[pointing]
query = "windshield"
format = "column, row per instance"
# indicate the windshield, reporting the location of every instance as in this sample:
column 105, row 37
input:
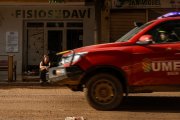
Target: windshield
column 132, row 32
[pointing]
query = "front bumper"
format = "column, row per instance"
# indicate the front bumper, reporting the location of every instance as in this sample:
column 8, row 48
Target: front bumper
column 66, row 75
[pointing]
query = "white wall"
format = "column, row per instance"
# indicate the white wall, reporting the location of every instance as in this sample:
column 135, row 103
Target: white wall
column 10, row 24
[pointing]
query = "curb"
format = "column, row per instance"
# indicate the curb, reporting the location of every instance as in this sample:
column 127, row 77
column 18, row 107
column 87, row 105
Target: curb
column 20, row 83
column 24, row 84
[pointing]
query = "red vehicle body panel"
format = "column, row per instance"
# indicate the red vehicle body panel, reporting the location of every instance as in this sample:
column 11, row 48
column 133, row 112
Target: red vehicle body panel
column 146, row 59
column 152, row 64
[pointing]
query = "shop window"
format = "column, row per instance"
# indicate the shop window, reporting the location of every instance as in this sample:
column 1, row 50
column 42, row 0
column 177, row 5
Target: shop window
column 55, row 24
column 75, row 24
column 37, row 24
column 56, row 1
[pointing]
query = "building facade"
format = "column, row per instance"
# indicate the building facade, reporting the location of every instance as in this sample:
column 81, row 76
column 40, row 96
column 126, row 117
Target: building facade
column 124, row 13
column 29, row 30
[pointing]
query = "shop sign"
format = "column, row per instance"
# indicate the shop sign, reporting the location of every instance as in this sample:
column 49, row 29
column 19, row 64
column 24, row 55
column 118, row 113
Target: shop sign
column 53, row 13
column 145, row 4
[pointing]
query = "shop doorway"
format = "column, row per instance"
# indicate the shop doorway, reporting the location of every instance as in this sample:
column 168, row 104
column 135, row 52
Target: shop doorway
column 74, row 39
column 34, row 46
column 55, row 41
column 55, row 38
column 49, row 37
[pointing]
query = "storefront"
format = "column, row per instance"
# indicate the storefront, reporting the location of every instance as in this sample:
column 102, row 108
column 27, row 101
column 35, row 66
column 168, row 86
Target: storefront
column 29, row 31
column 124, row 13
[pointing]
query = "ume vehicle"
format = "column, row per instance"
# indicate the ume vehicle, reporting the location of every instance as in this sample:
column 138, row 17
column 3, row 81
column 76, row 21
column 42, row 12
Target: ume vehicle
column 146, row 59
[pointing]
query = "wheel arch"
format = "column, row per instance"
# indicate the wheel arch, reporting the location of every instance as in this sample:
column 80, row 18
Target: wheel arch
column 119, row 73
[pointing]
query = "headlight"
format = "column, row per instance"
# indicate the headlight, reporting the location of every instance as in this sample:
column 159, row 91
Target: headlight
column 58, row 72
column 72, row 58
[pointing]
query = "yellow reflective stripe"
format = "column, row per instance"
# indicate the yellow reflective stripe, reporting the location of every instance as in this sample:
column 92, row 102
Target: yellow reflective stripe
column 63, row 52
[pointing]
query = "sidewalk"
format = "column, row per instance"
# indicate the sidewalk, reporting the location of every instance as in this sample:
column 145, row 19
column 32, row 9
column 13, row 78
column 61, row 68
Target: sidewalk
column 23, row 81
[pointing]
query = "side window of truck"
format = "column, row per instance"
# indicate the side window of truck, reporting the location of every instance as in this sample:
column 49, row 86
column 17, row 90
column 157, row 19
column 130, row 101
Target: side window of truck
column 166, row 32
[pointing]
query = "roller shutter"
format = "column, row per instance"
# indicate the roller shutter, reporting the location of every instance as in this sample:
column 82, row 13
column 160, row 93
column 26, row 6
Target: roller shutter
column 121, row 21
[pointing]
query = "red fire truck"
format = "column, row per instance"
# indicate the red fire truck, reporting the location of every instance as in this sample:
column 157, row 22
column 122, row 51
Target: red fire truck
column 146, row 59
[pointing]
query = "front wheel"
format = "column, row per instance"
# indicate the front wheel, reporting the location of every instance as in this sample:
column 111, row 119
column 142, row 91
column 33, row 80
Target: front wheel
column 104, row 91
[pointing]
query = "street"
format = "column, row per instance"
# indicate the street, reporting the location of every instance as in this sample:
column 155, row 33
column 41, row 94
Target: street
column 57, row 103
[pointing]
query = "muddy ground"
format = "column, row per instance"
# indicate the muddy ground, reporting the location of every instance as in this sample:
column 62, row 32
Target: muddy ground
column 57, row 103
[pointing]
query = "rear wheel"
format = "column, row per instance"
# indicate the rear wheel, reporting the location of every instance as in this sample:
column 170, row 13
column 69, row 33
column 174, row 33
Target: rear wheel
column 104, row 91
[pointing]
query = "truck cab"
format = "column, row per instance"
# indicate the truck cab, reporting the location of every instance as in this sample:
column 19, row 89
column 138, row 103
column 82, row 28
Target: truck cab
column 146, row 59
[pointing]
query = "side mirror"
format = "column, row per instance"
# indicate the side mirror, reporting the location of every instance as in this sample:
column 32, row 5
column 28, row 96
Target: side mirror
column 138, row 24
column 145, row 39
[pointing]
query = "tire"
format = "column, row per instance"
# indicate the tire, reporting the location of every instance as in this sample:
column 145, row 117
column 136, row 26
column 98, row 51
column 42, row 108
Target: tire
column 104, row 92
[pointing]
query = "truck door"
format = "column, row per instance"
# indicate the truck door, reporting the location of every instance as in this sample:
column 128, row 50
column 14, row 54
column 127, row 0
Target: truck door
column 158, row 63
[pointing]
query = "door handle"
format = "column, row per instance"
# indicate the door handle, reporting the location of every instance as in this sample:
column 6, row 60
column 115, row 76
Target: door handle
column 168, row 49
column 177, row 53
